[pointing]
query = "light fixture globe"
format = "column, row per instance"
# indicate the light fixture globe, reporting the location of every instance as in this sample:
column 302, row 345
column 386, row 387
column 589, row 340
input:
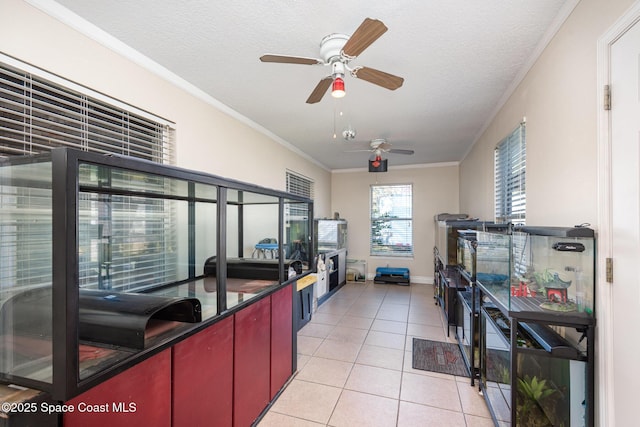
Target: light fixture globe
column 337, row 89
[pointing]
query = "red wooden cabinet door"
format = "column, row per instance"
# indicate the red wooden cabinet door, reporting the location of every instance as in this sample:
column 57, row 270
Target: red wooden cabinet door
column 281, row 338
column 251, row 364
column 202, row 370
column 139, row 396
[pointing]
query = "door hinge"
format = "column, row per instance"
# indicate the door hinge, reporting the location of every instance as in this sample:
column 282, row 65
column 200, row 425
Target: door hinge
column 607, row 97
column 609, row 270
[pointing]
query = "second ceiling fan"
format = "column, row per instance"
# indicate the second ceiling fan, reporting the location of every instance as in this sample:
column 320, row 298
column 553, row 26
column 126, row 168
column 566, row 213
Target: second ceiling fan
column 337, row 50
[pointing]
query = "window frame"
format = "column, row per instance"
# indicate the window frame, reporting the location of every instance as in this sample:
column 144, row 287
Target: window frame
column 386, row 222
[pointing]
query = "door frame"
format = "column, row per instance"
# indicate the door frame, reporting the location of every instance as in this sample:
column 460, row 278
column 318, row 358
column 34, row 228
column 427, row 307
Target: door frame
column 604, row 291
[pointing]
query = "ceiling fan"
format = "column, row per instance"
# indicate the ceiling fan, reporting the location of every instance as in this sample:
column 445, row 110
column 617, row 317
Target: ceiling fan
column 379, row 146
column 337, row 50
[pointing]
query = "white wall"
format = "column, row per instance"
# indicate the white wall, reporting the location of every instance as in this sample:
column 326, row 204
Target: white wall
column 208, row 139
column 559, row 98
column 435, row 190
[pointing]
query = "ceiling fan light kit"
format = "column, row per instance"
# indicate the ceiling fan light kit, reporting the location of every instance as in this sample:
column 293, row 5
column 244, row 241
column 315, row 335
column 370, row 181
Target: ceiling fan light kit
column 378, row 164
column 337, row 89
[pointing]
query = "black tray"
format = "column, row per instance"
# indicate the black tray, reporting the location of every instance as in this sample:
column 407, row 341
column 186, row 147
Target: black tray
column 105, row 317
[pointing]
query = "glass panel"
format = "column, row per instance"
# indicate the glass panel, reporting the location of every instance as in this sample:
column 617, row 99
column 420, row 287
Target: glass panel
column 205, row 234
column 129, row 243
column 252, row 245
column 26, row 270
column 550, row 391
column 106, row 177
column 493, row 261
column 496, row 363
column 297, row 235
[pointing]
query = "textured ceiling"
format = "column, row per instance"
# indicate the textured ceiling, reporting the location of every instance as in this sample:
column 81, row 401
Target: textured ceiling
column 459, row 59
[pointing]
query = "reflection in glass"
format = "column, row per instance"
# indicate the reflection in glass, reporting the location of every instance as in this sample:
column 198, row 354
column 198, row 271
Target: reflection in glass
column 26, row 270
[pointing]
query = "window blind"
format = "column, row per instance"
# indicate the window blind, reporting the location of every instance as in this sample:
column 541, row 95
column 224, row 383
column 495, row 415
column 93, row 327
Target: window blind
column 391, row 220
column 510, row 174
column 300, row 186
column 39, row 112
column 38, row 115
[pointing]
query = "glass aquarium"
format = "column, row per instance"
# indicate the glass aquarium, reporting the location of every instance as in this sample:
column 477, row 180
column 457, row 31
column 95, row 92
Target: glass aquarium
column 553, row 271
column 330, row 234
column 467, row 251
column 447, row 238
column 539, row 270
column 493, row 264
column 106, row 258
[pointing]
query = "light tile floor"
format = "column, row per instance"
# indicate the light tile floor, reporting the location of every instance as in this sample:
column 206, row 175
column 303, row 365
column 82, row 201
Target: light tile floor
column 354, row 366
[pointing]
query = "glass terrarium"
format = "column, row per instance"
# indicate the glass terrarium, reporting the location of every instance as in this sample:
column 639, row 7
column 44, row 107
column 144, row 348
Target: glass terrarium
column 105, row 259
column 552, row 271
column 551, row 384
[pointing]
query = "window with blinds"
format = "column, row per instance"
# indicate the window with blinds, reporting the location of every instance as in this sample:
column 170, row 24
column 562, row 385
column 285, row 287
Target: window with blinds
column 300, row 186
column 510, row 168
column 391, row 220
column 39, row 112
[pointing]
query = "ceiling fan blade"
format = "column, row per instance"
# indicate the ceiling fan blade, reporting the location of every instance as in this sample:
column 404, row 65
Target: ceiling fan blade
column 320, row 90
column 384, row 146
column 380, row 78
column 400, row 151
column 368, row 32
column 283, row 59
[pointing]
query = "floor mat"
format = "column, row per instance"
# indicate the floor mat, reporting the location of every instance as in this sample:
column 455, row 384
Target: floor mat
column 436, row 356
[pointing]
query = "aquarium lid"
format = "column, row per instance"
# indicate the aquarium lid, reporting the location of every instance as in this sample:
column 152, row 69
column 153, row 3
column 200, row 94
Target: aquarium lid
column 556, row 231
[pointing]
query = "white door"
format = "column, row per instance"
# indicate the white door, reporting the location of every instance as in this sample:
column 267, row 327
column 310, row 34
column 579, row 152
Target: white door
column 625, row 225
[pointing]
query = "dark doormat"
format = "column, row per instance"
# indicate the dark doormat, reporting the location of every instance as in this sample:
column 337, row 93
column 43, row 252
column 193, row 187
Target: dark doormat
column 436, row 356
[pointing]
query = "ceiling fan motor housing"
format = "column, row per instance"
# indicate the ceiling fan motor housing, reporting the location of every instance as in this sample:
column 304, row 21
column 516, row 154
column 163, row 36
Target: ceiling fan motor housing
column 331, row 47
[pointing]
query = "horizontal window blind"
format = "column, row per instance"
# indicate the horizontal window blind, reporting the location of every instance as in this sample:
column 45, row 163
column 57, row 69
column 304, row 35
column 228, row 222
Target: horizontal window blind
column 510, row 174
column 39, row 112
column 391, row 220
column 38, row 115
column 300, row 186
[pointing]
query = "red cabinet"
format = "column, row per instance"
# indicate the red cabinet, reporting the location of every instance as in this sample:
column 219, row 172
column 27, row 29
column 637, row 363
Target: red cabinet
column 139, row 396
column 251, row 367
column 221, row 376
column 281, row 338
column 202, row 371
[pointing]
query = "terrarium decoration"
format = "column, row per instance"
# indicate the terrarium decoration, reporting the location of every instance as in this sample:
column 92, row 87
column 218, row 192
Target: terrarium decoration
column 555, row 290
column 527, row 285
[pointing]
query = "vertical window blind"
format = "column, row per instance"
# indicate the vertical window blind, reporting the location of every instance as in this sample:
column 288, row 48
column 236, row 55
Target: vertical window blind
column 391, row 220
column 510, row 174
column 39, row 112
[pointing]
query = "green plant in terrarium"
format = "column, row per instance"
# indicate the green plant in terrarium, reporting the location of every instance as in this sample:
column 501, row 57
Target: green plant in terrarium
column 531, row 394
